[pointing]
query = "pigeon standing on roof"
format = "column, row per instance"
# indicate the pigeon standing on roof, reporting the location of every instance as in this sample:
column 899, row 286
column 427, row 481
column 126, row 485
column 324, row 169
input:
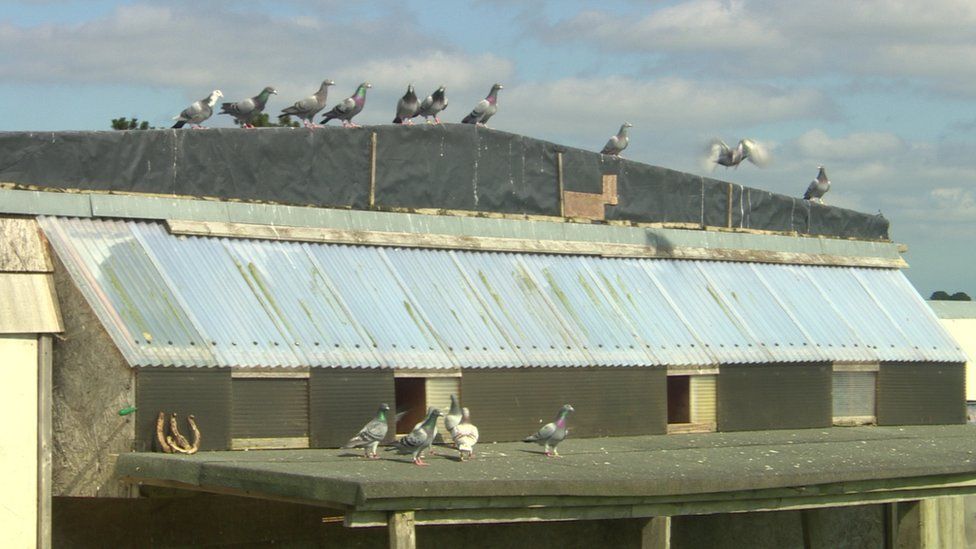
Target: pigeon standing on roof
column 551, row 434
column 485, row 109
column 198, row 111
column 453, row 416
column 619, row 142
column 307, row 108
column 349, row 107
column 245, row 111
column 433, row 104
column 421, row 438
column 722, row 154
column 818, row 187
column 465, row 435
column 407, row 107
column 370, row 436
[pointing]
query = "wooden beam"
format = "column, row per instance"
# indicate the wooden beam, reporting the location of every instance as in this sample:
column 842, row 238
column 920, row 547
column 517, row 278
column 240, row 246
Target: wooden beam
column 44, row 439
column 559, row 181
column 372, row 169
column 402, row 530
column 656, row 533
column 273, row 443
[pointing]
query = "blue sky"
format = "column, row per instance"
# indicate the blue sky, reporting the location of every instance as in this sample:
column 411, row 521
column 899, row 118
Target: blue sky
column 882, row 93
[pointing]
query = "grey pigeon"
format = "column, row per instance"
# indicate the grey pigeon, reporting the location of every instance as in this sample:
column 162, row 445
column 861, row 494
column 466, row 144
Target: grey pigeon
column 551, row 434
column 485, row 109
column 198, row 111
column 370, row 436
column 465, row 435
column 245, row 111
column 433, row 104
column 619, row 142
column 349, row 107
column 421, row 438
column 307, row 108
column 721, row 154
column 818, row 187
column 453, row 416
column 407, row 107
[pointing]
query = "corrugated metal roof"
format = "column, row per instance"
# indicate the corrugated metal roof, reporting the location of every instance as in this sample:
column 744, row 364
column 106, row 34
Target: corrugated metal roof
column 201, row 301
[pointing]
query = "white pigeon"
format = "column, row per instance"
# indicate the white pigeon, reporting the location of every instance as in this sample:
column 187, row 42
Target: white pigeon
column 720, row 153
column 818, row 187
column 198, row 111
column 465, row 435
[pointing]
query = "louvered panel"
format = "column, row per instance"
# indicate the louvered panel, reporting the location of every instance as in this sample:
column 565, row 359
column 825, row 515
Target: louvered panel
column 341, row 401
column 854, row 394
column 439, row 391
column 270, row 408
column 203, row 392
column 774, row 396
column 703, row 399
column 921, row 394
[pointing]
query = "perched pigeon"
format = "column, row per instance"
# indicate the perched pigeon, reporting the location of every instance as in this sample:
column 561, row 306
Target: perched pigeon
column 619, row 142
column 485, row 109
column 551, row 434
column 307, row 108
column 245, row 111
column 818, row 187
column 349, row 107
column 465, row 435
column 370, row 436
column 453, row 416
column 421, row 438
column 433, row 104
column 407, row 107
column 720, row 153
column 198, row 111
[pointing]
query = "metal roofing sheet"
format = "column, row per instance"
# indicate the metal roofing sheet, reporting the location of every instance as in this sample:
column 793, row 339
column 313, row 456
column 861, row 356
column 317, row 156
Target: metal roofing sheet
column 201, row 301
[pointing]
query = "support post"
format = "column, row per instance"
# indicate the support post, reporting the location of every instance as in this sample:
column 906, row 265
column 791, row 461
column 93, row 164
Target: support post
column 402, row 529
column 559, row 178
column 372, row 169
column 44, row 410
column 729, row 209
column 656, row 533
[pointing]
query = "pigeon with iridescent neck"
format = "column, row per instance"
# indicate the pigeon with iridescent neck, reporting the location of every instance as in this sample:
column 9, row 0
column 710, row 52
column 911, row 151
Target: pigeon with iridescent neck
column 723, row 155
column 307, row 108
column 370, row 436
column 421, row 438
column 245, row 111
column 407, row 107
column 619, row 142
column 349, row 107
column 551, row 434
column 818, row 187
column 485, row 109
column 198, row 111
column 433, row 104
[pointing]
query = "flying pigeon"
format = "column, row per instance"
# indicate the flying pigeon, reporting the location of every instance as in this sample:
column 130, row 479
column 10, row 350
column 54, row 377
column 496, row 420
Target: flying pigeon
column 307, row 108
column 465, row 435
column 349, row 107
column 421, row 438
column 619, row 142
column 198, row 111
column 453, row 416
column 433, row 104
column 818, row 187
column 720, row 153
column 485, row 109
column 370, row 436
column 407, row 107
column 245, row 111
column 551, row 434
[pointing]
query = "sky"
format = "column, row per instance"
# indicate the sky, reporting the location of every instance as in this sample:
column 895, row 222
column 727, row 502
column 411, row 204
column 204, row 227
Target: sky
column 881, row 93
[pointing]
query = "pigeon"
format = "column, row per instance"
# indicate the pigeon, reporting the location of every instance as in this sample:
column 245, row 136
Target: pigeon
column 244, row 111
column 433, row 104
column 349, row 107
column 465, row 435
column 619, row 142
column 453, row 416
column 198, row 111
column 485, row 109
column 370, row 436
column 720, row 153
column 421, row 438
column 818, row 187
column 551, row 434
column 407, row 107
column 307, row 108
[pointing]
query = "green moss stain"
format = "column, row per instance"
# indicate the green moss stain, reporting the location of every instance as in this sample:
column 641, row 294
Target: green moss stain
column 491, row 291
column 129, row 307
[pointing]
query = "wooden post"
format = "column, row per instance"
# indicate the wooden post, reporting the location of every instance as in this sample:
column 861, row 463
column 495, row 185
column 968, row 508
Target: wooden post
column 44, row 407
column 372, row 169
column 729, row 210
column 559, row 178
column 656, row 533
column 402, row 530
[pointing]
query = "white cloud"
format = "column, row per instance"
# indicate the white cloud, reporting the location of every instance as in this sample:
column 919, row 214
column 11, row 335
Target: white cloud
column 867, row 145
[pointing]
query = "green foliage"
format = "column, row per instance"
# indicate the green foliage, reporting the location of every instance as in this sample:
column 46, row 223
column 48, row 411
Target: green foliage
column 940, row 295
column 264, row 121
column 124, row 123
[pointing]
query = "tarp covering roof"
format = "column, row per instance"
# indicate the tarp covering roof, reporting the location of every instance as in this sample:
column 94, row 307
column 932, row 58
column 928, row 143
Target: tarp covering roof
column 206, row 301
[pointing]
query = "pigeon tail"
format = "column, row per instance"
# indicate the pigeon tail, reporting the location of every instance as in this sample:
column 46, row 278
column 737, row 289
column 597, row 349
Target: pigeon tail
column 179, row 124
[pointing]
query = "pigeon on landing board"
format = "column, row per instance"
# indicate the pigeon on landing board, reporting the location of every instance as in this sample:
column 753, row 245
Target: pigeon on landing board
column 433, row 104
column 307, row 108
column 818, row 187
column 551, row 434
column 245, row 111
column 407, row 107
column 370, row 436
column 465, row 436
column 619, row 142
column 721, row 154
column 349, row 107
column 485, row 109
column 198, row 111
column 421, row 438
column 453, row 417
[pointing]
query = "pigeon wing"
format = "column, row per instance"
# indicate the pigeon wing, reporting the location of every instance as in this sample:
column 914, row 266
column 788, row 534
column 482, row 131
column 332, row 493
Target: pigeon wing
column 478, row 113
column 544, row 433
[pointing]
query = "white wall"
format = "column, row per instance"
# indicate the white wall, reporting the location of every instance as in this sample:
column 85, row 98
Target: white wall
column 964, row 330
column 18, row 440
